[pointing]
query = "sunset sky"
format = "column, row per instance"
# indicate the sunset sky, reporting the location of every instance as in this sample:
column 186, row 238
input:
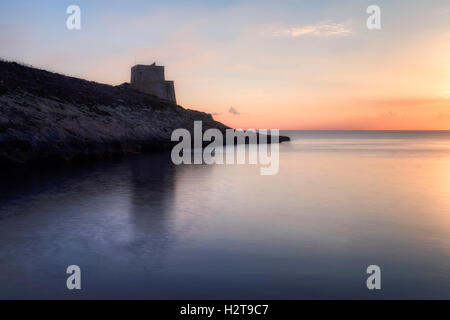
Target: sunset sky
column 256, row 63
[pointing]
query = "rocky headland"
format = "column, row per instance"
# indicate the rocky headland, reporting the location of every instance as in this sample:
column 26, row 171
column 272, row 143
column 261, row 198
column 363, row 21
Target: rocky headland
column 46, row 116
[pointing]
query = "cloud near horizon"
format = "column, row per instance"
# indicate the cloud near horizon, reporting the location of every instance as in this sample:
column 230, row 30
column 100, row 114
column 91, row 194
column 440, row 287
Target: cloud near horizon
column 325, row 29
column 233, row 111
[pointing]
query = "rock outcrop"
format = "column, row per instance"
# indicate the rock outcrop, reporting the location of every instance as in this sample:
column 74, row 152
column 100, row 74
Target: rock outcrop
column 46, row 116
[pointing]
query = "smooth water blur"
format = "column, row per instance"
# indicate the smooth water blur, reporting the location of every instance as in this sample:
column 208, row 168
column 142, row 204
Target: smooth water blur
column 140, row 227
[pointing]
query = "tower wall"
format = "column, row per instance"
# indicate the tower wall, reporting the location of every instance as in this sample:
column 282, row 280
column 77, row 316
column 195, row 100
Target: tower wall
column 151, row 80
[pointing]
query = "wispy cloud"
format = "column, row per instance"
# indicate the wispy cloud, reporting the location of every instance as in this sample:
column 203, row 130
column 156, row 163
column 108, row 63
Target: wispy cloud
column 409, row 102
column 234, row 111
column 325, row 29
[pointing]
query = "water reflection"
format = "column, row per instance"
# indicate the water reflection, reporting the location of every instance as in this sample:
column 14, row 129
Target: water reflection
column 117, row 213
column 140, row 227
column 152, row 188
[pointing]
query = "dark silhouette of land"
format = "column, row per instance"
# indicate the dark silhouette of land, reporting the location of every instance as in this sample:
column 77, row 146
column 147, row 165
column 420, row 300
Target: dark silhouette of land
column 46, row 116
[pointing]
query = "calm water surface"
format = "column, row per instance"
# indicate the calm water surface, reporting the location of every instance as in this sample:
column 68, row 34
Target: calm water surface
column 140, row 227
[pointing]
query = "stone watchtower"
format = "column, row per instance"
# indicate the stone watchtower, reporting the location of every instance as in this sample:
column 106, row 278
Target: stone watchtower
column 151, row 80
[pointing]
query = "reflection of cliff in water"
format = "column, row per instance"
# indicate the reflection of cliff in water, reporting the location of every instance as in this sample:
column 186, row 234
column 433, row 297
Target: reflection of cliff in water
column 152, row 188
column 21, row 186
column 113, row 218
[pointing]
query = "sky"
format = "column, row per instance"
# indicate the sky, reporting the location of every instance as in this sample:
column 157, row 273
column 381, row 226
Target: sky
column 279, row 64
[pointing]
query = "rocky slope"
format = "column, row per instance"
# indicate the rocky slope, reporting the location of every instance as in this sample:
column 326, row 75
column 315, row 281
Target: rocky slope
column 46, row 116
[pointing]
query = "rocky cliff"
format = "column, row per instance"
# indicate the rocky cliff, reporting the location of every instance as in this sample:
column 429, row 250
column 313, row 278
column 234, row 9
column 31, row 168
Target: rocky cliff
column 46, row 116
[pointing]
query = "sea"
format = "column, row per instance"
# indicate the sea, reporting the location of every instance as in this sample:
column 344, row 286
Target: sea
column 141, row 227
